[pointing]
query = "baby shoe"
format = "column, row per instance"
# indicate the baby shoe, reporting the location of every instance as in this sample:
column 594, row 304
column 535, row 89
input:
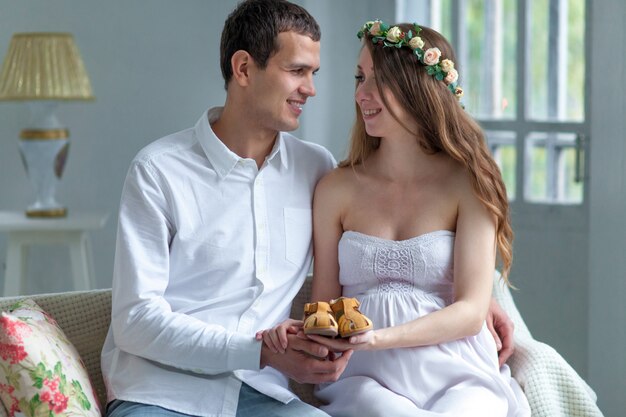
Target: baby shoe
column 350, row 320
column 319, row 319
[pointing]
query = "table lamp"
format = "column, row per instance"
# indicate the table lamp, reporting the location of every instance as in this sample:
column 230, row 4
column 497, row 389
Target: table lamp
column 43, row 69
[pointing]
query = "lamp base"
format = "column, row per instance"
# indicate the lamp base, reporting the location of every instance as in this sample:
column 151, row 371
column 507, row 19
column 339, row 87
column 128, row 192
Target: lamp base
column 44, row 152
column 47, row 213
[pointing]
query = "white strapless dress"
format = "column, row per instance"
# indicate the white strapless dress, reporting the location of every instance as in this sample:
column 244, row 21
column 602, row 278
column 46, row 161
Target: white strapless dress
column 398, row 281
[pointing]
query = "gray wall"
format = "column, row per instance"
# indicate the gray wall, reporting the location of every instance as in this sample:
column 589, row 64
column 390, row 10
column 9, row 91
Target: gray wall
column 154, row 69
column 607, row 214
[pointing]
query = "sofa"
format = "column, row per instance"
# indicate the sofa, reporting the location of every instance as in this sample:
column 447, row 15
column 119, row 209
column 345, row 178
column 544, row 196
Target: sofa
column 552, row 386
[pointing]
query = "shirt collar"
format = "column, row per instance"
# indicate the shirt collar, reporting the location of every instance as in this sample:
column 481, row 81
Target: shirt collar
column 279, row 151
column 223, row 159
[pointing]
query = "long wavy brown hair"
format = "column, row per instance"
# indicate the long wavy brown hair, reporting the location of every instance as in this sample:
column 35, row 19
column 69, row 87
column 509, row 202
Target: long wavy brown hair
column 449, row 129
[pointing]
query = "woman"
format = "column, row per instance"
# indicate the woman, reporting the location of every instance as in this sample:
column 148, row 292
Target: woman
column 410, row 225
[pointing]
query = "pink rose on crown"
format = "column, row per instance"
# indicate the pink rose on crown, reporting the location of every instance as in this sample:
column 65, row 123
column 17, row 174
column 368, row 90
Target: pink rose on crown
column 375, row 29
column 431, row 56
column 452, row 76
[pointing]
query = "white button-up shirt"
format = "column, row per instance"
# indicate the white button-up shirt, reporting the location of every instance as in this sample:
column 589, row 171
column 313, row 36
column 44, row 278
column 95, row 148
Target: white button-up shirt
column 210, row 249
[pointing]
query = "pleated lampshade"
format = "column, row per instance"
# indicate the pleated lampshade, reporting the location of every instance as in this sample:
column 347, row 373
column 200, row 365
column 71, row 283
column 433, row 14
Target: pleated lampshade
column 44, row 66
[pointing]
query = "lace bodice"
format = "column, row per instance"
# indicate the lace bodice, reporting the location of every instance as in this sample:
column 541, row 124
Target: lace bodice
column 372, row 264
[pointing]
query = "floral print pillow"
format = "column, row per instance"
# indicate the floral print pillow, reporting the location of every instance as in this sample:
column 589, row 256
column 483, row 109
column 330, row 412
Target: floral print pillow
column 41, row 373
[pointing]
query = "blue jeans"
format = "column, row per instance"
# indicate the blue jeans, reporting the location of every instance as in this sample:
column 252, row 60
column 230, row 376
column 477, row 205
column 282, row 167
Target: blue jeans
column 251, row 404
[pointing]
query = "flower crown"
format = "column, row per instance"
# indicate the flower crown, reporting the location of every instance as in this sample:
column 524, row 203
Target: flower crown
column 442, row 70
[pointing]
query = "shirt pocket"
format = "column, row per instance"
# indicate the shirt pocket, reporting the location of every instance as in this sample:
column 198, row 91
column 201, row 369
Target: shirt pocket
column 298, row 234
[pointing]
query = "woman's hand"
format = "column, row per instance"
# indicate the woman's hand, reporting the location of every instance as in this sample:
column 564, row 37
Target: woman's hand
column 501, row 327
column 363, row 341
column 276, row 338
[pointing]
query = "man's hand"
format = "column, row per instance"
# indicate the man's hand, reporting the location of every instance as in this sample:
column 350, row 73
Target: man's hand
column 306, row 361
column 501, row 327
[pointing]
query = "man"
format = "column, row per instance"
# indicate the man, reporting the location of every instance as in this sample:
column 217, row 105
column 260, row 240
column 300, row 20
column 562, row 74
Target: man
column 214, row 239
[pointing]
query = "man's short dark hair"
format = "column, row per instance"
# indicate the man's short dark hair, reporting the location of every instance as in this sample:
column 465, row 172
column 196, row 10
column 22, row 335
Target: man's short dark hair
column 254, row 26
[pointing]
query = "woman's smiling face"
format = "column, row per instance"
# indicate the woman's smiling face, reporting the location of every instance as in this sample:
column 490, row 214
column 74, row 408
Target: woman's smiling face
column 379, row 119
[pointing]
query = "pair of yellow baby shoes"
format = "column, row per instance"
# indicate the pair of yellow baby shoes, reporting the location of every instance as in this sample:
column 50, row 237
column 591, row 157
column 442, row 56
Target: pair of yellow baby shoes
column 339, row 317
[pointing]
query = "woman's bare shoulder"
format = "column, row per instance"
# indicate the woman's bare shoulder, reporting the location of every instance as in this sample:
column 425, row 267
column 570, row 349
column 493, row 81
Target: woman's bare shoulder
column 461, row 185
column 455, row 177
column 336, row 189
column 341, row 178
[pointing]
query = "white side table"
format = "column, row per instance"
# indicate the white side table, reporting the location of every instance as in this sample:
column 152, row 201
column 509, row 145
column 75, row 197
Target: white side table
column 71, row 230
